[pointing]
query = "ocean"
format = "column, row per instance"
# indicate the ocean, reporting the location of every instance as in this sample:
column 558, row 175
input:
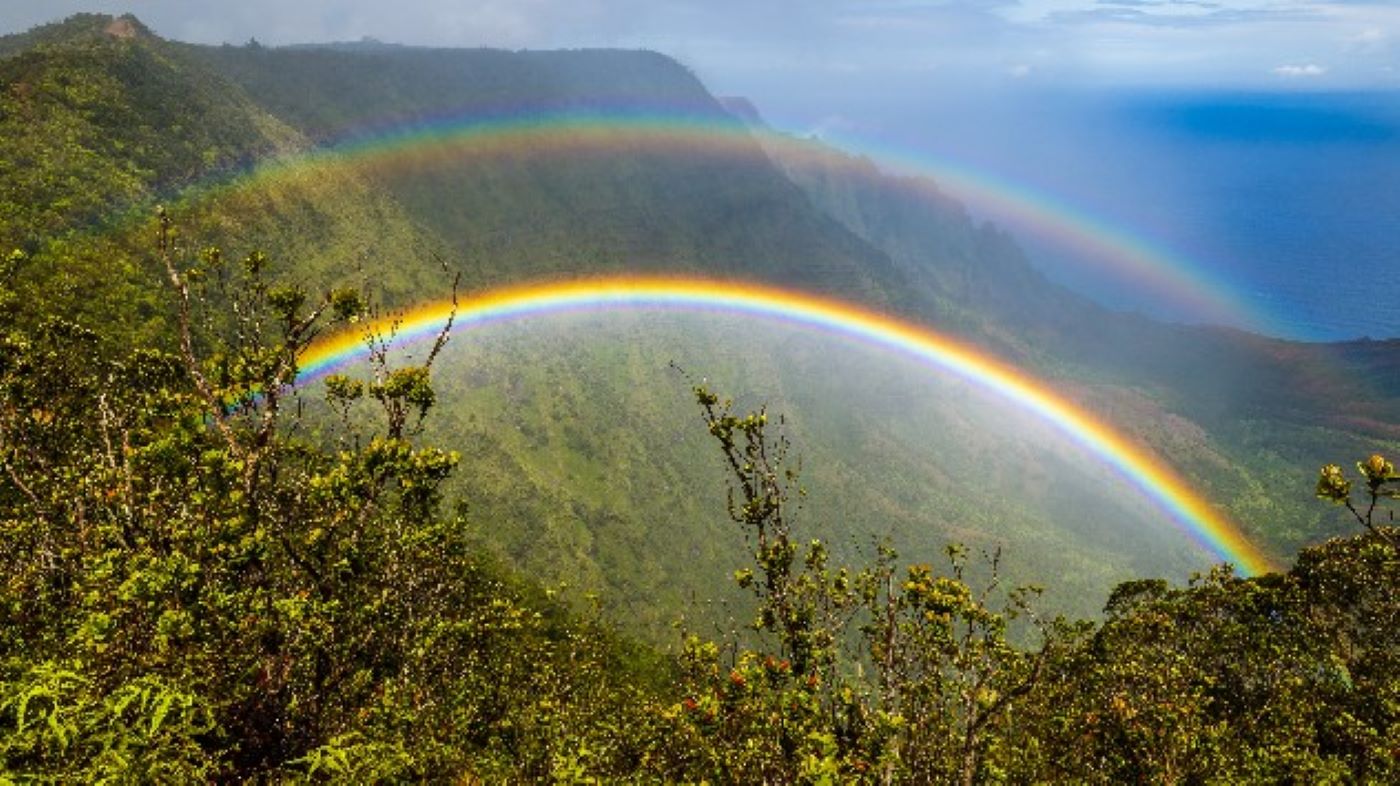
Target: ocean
column 1291, row 201
column 1284, row 205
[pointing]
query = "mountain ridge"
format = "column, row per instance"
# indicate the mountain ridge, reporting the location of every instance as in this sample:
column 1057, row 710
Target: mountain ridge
column 828, row 223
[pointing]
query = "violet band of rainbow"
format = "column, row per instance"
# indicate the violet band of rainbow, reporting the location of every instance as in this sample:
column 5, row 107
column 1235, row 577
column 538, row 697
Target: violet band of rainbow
column 1137, row 464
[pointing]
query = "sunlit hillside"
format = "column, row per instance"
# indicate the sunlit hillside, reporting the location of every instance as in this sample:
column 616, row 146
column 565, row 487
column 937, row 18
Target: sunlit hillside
column 373, row 412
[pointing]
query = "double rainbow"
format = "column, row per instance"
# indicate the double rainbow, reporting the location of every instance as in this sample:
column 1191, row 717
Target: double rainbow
column 1135, row 463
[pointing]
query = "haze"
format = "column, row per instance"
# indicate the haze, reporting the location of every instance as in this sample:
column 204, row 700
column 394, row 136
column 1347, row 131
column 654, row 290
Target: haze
column 750, row 47
column 951, row 457
column 1248, row 145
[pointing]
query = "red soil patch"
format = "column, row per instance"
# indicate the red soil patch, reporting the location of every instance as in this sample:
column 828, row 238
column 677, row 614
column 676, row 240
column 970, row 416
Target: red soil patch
column 121, row 28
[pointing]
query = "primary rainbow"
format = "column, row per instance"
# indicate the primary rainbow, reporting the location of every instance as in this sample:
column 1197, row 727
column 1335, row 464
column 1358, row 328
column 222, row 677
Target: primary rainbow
column 1163, row 487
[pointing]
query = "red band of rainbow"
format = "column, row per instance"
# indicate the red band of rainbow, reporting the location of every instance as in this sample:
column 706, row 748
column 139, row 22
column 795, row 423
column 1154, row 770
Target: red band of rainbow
column 1134, row 462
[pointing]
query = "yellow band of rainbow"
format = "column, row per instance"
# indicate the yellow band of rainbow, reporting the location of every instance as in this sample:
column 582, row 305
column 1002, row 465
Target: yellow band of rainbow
column 1132, row 461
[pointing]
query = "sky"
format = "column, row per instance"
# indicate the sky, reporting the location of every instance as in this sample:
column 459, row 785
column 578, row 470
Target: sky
column 763, row 47
column 1015, row 91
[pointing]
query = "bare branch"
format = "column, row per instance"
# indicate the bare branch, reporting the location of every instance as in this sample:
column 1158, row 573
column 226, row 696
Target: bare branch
column 442, row 335
column 182, row 294
column 28, row 492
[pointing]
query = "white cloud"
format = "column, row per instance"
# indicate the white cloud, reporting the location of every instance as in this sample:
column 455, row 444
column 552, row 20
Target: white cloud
column 1368, row 41
column 1295, row 71
column 735, row 43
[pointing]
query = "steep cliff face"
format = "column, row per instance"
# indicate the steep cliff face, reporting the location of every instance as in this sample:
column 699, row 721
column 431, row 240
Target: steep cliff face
column 657, row 175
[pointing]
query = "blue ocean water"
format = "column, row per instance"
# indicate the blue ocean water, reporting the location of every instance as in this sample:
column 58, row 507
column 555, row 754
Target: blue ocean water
column 1288, row 203
column 1292, row 200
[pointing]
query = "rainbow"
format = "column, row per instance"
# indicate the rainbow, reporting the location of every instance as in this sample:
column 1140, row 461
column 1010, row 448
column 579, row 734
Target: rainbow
column 1135, row 463
column 526, row 134
column 1113, row 248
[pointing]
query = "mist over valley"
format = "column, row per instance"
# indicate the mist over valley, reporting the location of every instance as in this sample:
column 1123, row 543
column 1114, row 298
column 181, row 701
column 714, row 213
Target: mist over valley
column 392, row 410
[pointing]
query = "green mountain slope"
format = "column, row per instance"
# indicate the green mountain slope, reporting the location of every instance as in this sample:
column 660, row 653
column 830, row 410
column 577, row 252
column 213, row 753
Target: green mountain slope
column 588, row 410
column 1267, row 411
column 518, row 216
column 578, row 440
column 100, row 122
column 191, row 594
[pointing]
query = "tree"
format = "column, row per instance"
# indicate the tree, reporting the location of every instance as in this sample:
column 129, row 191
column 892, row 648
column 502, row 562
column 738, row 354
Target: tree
column 205, row 579
column 874, row 674
column 1381, row 480
column 212, row 574
column 1287, row 677
column 882, row 675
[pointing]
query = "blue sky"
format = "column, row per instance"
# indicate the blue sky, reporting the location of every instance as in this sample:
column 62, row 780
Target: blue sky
column 733, row 43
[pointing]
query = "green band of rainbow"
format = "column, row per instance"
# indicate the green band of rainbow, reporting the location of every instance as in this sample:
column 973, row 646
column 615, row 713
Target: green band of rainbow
column 535, row 134
column 1137, row 464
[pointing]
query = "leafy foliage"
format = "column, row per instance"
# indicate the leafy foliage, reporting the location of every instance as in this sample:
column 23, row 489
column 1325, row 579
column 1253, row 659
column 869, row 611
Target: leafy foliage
column 1382, row 482
column 1238, row 680
column 202, row 582
column 195, row 589
column 751, row 212
column 1281, row 678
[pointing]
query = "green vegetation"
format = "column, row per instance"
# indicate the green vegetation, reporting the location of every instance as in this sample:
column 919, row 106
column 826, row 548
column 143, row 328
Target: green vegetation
column 196, row 589
column 575, row 426
column 206, row 575
column 1282, row 678
column 1238, row 416
column 200, row 584
column 99, row 127
column 515, row 216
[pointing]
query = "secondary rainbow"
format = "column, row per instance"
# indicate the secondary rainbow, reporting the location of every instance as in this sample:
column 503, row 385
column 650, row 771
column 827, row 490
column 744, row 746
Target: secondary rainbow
column 1114, row 248
column 525, row 133
column 1135, row 463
